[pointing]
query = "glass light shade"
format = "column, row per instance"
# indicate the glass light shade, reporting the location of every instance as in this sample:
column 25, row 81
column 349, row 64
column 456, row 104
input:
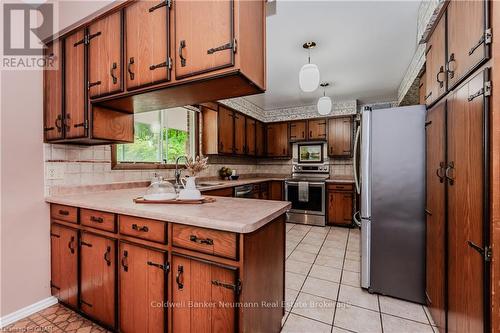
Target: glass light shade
column 324, row 105
column 309, row 77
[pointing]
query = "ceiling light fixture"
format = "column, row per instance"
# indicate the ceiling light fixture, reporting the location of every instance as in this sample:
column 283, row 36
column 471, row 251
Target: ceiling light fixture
column 309, row 73
column 325, row 102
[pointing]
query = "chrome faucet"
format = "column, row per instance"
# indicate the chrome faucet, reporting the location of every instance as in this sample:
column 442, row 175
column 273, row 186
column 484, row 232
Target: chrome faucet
column 177, row 173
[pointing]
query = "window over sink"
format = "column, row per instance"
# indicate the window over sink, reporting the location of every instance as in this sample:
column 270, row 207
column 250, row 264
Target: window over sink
column 159, row 138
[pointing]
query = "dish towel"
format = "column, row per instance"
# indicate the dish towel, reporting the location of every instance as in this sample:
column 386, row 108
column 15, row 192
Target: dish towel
column 303, row 191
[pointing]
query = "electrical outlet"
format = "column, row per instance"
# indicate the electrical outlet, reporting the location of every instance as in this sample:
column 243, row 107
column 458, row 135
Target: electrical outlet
column 54, row 171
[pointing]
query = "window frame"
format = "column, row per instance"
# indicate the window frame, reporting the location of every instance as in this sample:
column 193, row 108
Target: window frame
column 115, row 165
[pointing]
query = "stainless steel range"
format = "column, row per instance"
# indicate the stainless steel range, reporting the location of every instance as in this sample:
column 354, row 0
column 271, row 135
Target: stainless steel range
column 306, row 188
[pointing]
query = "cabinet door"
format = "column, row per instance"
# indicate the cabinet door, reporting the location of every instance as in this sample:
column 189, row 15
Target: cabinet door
column 203, row 283
column 276, row 190
column 75, row 96
column 277, row 140
column 340, row 205
column 466, row 37
column 143, row 277
column 64, row 264
column 465, row 208
column 298, row 130
column 340, row 133
column 98, row 263
column 226, row 130
column 52, row 97
column 147, row 34
column 317, row 129
column 204, row 36
column 250, row 127
column 435, row 209
column 260, row 133
column 239, row 134
column 105, row 55
column 435, row 63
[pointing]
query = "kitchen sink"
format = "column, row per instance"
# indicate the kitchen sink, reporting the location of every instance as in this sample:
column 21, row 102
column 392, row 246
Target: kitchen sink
column 207, row 184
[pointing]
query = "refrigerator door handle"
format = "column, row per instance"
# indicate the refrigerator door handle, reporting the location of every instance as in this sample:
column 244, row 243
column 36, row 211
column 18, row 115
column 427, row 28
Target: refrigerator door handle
column 355, row 159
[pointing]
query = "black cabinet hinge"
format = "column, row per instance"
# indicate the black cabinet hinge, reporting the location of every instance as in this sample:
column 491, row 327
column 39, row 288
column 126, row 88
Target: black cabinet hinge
column 486, row 252
column 485, row 91
column 165, row 267
column 235, row 287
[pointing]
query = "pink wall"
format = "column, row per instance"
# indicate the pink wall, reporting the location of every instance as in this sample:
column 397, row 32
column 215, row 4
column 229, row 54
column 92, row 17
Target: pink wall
column 24, row 216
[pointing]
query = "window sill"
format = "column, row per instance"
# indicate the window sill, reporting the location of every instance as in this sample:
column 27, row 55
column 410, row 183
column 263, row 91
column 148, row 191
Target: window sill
column 143, row 166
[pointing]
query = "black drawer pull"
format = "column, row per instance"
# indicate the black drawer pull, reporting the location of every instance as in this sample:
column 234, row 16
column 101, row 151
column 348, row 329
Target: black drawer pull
column 96, row 219
column 125, row 261
column 63, row 212
column 140, row 228
column 179, row 277
column 112, row 72
column 106, row 255
column 153, row 67
column 206, row 241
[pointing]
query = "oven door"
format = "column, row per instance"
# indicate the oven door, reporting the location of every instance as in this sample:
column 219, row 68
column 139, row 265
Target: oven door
column 315, row 205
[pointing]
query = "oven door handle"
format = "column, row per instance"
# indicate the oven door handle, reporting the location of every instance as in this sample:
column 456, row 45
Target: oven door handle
column 310, row 183
column 243, row 192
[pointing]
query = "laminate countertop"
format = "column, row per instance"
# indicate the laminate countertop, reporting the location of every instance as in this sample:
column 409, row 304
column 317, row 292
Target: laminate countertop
column 228, row 214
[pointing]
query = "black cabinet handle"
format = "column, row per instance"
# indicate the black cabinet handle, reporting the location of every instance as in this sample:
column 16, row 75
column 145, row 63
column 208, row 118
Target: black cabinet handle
column 96, row 219
column 63, row 212
column 131, row 61
column 106, row 255
column 206, row 241
column 125, row 261
column 440, row 172
column 59, row 123
column 112, row 72
column 71, row 244
column 182, row 45
column 451, row 60
column 179, row 277
column 449, row 168
column 140, row 228
column 441, row 82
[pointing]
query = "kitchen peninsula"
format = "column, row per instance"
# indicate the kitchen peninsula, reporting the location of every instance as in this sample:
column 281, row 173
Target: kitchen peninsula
column 158, row 268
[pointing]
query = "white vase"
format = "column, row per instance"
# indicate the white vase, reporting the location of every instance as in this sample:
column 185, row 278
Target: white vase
column 190, row 192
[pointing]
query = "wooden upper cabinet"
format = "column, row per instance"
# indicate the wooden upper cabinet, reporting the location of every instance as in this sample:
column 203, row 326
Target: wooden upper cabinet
column 204, row 36
column 143, row 282
column 260, row 134
column 147, row 51
column 239, row 133
column 467, row 38
column 277, row 140
column 201, row 281
column 298, row 130
column 52, row 98
column 105, row 55
column 316, row 129
column 64, row 264
column 340, row 133
column 435, row 82
column 75, row 97
column 226, row 130
column 98, row 264
column 250, row 132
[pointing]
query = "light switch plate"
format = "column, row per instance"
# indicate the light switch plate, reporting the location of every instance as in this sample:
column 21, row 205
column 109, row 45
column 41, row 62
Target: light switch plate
column 54, row 171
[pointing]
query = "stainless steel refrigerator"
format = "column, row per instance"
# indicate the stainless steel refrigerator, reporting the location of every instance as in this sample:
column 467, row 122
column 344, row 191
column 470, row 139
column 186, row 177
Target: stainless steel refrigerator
column 391, row 182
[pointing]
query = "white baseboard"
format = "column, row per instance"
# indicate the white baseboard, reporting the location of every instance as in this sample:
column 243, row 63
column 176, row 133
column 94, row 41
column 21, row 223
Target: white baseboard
column 27, row 311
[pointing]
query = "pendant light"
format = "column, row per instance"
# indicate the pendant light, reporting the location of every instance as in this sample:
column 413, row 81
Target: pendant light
column 309, row 73
column 325, row 102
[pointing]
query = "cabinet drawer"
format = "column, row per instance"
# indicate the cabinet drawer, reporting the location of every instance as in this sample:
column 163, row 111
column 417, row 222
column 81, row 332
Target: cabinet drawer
column 341, row 187
column 151, row 230
column 218, row 243
column 98, row 220
column 64, row 213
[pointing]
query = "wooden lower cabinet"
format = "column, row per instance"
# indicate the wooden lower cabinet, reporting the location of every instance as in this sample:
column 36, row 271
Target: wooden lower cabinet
column 203, row 294
column 98, row 278
column 275, row 191
column 64, row 264
column 340, row 206
column 143, row 289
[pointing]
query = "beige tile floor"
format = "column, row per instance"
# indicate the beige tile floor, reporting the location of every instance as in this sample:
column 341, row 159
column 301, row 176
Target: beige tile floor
column 323, row 291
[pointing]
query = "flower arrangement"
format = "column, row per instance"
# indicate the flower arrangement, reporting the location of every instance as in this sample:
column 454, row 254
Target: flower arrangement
column 196, row 165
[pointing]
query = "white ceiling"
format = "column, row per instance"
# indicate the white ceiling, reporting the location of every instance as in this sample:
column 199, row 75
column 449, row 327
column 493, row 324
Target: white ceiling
column 364, row 49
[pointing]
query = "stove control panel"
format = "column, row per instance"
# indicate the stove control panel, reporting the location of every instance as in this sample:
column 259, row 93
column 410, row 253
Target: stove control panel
column 322, row 168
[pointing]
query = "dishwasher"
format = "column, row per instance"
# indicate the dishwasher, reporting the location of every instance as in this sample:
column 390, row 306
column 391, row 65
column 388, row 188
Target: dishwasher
column 247, row 191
